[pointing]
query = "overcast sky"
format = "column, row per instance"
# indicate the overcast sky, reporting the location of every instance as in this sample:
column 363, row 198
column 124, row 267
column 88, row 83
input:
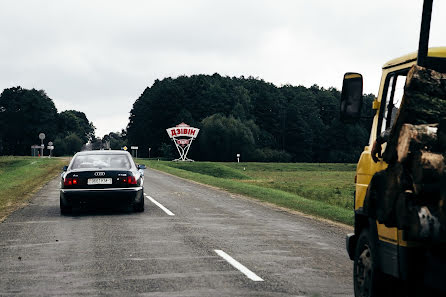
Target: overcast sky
column 99, row 56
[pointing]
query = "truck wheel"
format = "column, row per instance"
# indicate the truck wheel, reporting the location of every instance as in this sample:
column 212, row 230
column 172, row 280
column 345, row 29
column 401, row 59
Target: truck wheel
column 366, row 276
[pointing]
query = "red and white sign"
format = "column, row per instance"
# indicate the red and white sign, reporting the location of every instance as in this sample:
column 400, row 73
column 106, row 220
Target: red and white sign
column 183, row 141
column 182, row 136
column 183, row 130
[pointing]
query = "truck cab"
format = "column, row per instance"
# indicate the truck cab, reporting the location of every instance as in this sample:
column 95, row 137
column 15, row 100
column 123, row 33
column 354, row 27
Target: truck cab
column 385, row 263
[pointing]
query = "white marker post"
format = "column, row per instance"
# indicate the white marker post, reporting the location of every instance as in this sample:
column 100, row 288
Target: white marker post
column 238, row 158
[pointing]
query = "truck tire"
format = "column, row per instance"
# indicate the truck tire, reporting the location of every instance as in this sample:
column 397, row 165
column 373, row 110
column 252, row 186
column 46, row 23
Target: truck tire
column 368, row 281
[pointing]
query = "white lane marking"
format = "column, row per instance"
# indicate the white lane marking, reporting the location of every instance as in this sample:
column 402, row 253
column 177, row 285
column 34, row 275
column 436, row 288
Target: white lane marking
column 251, row 275
column 160, row 206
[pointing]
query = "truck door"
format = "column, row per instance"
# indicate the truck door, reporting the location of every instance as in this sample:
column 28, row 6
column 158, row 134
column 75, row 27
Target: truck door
column 391, row 100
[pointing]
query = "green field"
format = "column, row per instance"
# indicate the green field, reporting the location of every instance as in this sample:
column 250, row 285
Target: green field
column 20, row 177
column 324, row 190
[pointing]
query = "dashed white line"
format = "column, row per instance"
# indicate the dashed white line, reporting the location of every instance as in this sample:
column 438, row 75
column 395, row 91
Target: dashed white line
column 160, row 206
column 251, row 275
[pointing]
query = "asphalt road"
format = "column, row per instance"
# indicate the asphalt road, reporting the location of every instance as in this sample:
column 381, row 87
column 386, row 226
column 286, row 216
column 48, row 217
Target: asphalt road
column 183, row 250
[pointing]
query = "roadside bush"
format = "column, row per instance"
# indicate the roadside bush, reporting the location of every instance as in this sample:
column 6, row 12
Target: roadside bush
column 166, row 151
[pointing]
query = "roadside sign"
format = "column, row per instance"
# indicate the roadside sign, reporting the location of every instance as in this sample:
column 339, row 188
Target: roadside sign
column 51, row 148
column 42, row 146
column 134, row 148
column 124, row 148
column 34, row 150
column 182, row 136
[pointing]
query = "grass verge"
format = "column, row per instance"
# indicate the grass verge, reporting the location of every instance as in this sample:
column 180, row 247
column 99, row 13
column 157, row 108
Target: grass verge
column 322, row 190
column 20, row 177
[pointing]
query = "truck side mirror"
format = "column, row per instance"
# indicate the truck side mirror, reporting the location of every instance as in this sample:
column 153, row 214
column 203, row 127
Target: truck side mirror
column 351, row 97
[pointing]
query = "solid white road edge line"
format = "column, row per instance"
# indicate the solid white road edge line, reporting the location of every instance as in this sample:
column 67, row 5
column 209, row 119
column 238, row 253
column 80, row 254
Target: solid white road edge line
column 251, row 275
column 160, row 206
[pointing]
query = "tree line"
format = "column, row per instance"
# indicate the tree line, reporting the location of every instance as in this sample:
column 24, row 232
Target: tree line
column 249, row 116
column 236, row 115
column 26, row 113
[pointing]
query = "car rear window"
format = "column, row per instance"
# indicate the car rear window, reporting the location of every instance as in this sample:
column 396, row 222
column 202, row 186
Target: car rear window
column 97, row 161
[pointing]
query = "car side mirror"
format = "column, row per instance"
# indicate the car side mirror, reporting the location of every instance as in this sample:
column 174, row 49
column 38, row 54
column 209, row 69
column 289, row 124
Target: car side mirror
column 142, row 166
column 65, row 168
column 351, row 97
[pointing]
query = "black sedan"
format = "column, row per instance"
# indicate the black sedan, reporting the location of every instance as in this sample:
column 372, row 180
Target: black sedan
column 102, row 177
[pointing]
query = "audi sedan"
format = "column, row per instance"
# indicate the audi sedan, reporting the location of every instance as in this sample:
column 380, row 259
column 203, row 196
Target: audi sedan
column 102, row 177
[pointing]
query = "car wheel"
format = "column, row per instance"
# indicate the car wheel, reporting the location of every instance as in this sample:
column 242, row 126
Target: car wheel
column 139, row 206
column 64, row 208
column 368, row 280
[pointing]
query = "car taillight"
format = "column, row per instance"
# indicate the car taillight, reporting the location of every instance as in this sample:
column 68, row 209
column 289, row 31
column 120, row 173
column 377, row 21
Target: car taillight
column 131, row 180
column 70, row 181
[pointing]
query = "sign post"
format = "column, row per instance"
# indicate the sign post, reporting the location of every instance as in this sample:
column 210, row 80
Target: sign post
column 41, row 137
column 50, row 147
column 182, row 136
column 149, row 151
column 135, row 148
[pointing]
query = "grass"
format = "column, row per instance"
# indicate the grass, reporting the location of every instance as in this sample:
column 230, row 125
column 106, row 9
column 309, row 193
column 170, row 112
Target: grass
column 20, row 177
column 323, row 190
column 212, row 169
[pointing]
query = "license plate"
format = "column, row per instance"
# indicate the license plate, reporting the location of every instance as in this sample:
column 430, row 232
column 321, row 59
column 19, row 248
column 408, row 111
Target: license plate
column 99, row 181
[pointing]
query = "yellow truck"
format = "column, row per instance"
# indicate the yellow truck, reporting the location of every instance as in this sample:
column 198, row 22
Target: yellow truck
column 386, row 263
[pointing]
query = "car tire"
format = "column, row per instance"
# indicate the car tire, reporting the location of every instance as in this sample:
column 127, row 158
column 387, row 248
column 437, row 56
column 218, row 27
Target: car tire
column 368, row 280
column 64, row 208
column 139, row 206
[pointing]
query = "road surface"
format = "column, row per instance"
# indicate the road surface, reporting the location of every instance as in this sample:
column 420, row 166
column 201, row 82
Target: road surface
column 192, row 240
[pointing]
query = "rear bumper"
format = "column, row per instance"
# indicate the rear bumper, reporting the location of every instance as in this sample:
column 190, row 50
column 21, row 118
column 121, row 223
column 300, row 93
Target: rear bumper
column 73, row 197
column 106, row 190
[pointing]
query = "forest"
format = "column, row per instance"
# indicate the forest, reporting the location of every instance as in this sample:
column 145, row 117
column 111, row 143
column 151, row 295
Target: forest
column 247, row 116
column 25, row 113
column 235, row 115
